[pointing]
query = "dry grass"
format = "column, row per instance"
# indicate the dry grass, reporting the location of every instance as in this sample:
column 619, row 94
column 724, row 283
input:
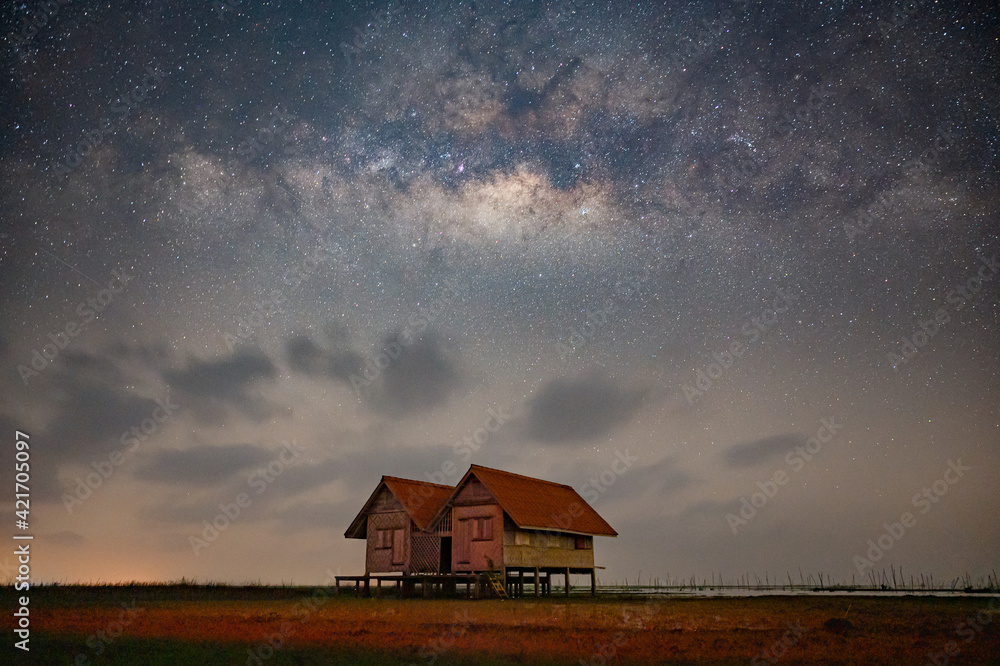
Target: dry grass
column 843, row 629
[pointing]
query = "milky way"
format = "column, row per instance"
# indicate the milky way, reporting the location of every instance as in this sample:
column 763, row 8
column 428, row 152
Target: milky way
column 735, row 242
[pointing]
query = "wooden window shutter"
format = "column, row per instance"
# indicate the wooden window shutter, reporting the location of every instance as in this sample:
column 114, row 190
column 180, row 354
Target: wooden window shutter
column 462, row 537
column 399, row 546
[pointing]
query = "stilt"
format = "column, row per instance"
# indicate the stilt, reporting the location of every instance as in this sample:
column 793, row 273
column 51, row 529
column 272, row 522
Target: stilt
column 538, row 583
column 567, row 581
column 593, row 582
column 367, row 585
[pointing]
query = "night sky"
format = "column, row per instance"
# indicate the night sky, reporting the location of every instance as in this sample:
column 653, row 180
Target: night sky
column 730, row 270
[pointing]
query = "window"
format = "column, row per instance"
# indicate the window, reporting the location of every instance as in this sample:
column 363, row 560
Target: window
column 383, row 539
column 584, row 543
column 482, row 528
column 522, row 538
column 398, row 546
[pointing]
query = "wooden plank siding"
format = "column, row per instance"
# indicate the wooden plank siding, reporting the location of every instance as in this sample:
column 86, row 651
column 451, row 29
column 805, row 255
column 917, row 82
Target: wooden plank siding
column 532, row 548
column 474, row 510
column 388, row 547
column 511, row 523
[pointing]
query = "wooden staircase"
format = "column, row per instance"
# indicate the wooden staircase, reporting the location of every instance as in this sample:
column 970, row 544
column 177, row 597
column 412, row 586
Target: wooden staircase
column 496, row 583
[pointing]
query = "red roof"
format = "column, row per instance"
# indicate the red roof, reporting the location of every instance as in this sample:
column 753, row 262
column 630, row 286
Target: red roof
column 536, row 504
column 531, row 503
column 420, row 498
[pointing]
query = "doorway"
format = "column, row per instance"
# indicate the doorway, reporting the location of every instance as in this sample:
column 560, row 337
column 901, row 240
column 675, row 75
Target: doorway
column 445, row 555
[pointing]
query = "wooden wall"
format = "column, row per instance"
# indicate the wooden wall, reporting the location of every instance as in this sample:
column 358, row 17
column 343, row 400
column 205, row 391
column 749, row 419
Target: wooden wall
column 529, row 548
column 471, row 503
column 387, row 513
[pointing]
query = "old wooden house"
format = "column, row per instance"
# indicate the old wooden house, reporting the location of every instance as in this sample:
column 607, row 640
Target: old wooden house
column 523, row 528
column 396, row 522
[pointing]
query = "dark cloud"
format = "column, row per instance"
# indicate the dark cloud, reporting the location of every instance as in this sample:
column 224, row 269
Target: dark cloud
column 307, row 357
column 418, row 376
column 226, row 381
column 300, row 478
column 567, row 410
column 90, row 401
column 324, row 516
column 175, row 509
column 45, row 484
column 226, row 378
column 660, row 479
column 93, row 407
column 759, row 451
column 202, row 465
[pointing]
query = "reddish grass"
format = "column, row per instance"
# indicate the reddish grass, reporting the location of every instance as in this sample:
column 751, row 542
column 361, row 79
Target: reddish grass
column 727, row 630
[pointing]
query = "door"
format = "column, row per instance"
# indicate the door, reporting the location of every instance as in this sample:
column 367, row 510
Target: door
column 462, row 536
column 445, row 555
column 399, row 546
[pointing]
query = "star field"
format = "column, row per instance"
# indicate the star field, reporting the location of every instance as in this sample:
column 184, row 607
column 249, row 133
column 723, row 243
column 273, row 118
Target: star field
column 360, row 226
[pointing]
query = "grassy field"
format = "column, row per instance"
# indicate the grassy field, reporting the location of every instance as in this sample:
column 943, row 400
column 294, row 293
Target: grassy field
column 262, row 625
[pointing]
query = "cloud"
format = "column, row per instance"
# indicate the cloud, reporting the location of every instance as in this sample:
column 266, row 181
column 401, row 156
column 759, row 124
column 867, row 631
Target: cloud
column 93, row 407
column 78, row 413
column 566, row 410
column 202, row 465
column 759, row 451
column 659, row 479
column 226, row 381
column 421, row 376
column 325, row 516
column 307, row 357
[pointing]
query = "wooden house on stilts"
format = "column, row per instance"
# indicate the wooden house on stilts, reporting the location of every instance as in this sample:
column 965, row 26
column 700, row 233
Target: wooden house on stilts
column 524, row 529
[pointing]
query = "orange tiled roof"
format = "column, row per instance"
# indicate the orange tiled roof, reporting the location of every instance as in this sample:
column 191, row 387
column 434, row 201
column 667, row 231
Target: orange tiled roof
column 536, row 504
column 420, row 498
column 409, row 493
